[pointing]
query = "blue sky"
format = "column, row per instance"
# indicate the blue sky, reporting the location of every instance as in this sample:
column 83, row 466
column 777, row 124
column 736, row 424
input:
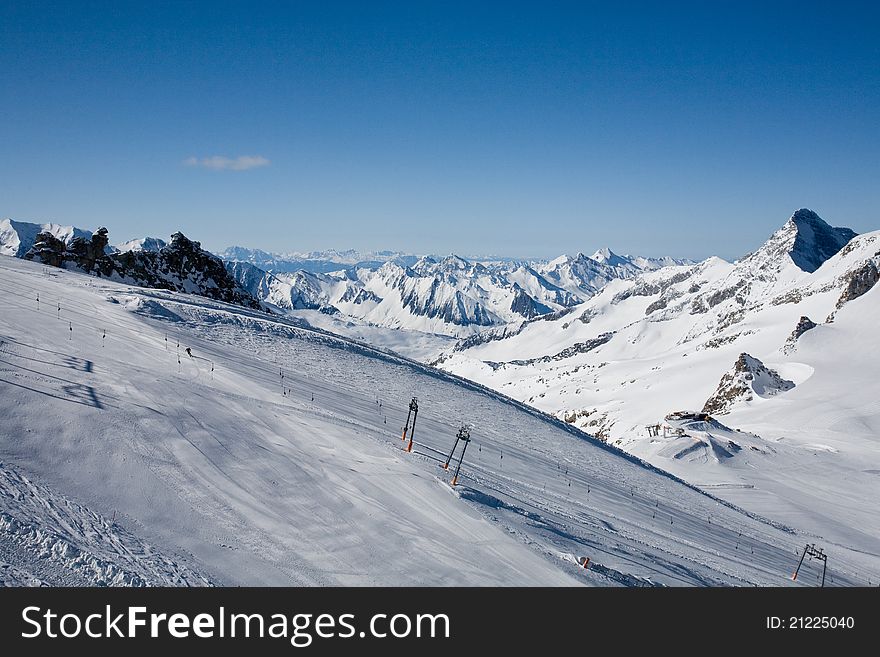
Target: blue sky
column 526, row 129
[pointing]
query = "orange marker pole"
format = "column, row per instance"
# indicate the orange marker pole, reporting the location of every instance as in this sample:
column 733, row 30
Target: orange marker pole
column 794, row 576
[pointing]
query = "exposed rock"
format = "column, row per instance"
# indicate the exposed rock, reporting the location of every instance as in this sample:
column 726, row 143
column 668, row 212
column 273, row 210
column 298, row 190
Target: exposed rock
column 18, row 237
column 804, row 324
column 568, row 352
column 90, row 254
column 47, row 249
column 805, row 239
column 859, row 281
column 748, row 377
column 591, row 420
column 523, row 304
column 181, row 266
column 359, row 295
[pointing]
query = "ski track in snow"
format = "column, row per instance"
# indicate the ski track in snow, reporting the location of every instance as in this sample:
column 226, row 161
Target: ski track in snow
column 46, row 539
column 249, row 481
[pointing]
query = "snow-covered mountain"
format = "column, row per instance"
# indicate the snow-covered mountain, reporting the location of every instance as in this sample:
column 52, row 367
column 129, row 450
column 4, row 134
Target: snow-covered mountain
column 789, row 330
column 17, row 237
column 447, row 296
column 584, row 276
column 152, row 437
column 142, row 244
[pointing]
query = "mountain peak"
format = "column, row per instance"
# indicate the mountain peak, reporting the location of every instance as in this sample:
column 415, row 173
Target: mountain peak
column 608, row 257
column 454, row 261
column 815, row 241
column 806, row 216
column 806, row 239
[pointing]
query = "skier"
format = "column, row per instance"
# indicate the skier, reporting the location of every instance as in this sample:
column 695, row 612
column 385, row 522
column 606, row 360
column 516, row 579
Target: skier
column 189, row 352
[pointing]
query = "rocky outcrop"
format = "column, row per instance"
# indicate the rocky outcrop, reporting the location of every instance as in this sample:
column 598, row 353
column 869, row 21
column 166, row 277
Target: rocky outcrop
column 182, row 265
column 804, row 324
column 859, row 281
column 85, row 253
column 47, row 249
column 90, row 254
column 749, row 377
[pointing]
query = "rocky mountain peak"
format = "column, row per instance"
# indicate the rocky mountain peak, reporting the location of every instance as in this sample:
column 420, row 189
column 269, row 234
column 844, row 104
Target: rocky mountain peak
column 809, row 241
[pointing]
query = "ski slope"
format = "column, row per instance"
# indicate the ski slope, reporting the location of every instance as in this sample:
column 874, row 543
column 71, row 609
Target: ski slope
column 800, row 446
column 236, row 475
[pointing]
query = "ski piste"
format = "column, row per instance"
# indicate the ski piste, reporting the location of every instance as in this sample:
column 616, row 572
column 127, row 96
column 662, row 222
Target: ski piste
column 235, row 480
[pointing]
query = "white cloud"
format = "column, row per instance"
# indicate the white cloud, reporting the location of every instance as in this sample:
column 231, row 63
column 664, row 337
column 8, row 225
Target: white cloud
column 220, row 163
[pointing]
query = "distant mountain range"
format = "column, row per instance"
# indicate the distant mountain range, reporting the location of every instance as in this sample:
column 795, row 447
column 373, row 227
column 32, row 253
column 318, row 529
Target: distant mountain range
column 450, row 295
column 319, row 262
column 446, row 295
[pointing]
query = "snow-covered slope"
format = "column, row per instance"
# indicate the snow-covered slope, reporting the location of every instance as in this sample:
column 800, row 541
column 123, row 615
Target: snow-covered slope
column 272, row 455
column 642, row 348
column 48, row 540
column 17, row 237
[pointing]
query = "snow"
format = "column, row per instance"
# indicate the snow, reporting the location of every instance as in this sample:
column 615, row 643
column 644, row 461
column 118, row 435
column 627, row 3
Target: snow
column 142, row 244
column 449, row 296
column 676, row 331
column 45, row 539
column 233, row 477
column 17, row 237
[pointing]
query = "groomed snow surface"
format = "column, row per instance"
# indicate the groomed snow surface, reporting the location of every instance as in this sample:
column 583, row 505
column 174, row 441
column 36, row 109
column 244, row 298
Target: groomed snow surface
column 127, row 461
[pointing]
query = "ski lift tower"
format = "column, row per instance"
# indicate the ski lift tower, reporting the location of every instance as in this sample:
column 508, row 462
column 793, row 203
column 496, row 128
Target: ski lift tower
column 411, row 429
column 813, row 552
column 463, row 434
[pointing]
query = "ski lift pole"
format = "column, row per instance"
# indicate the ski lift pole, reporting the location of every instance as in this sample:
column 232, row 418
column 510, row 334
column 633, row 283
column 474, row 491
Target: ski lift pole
column 462, row 433
column 466, row 440
column 408, row 416
column 796, row 570
column 414, row 405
